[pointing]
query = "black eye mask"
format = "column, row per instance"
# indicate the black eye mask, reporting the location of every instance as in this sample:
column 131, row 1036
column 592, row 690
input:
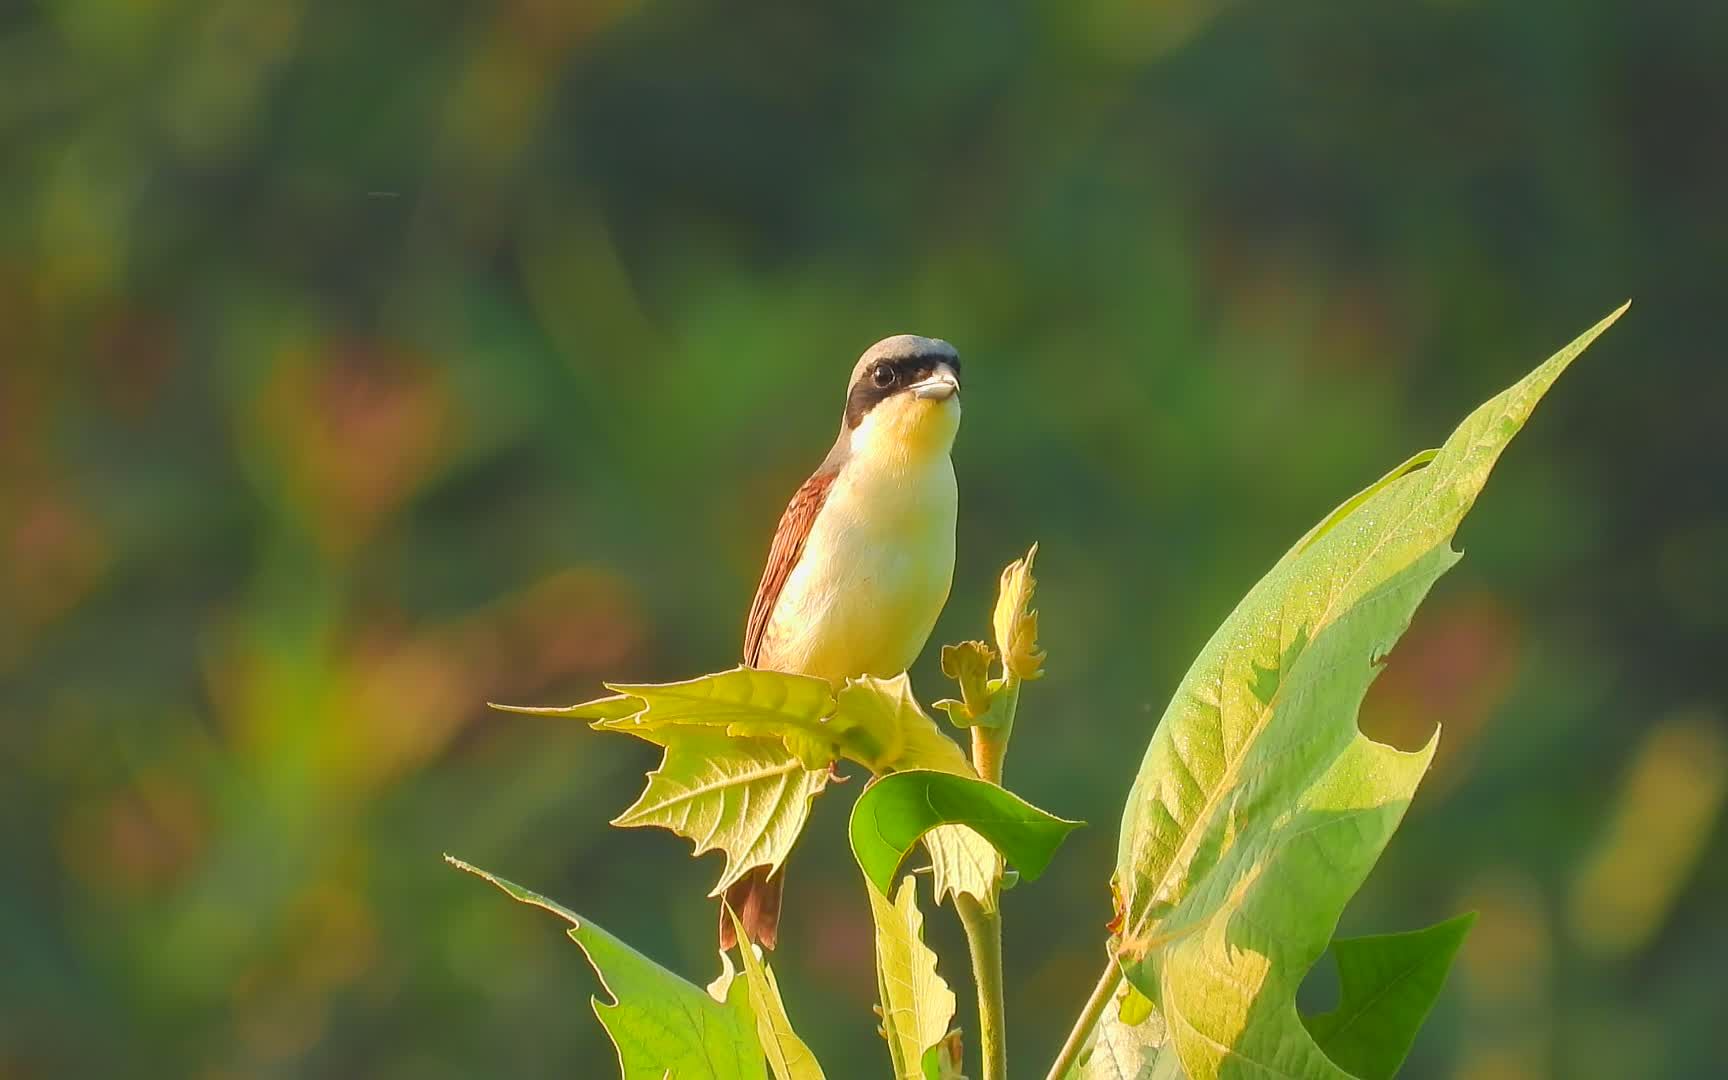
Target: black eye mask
column 907, row 372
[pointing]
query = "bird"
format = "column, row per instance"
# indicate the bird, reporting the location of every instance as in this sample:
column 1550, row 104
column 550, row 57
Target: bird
column 863, row 558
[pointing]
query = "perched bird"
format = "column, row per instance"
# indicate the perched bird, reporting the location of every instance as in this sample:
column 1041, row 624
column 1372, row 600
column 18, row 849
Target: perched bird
column 864, row 555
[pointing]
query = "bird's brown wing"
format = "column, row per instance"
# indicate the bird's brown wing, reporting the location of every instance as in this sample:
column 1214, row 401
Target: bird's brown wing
column 788, row 546
column 756, row 896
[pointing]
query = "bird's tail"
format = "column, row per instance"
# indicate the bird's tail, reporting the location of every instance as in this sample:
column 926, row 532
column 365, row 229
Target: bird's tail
column 756, row 899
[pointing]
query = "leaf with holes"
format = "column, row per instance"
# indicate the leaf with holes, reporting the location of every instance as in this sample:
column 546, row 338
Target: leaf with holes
column 1259, row 807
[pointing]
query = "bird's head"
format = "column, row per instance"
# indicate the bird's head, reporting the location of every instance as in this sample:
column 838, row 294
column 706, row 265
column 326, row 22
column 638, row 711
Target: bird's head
column 904, row 399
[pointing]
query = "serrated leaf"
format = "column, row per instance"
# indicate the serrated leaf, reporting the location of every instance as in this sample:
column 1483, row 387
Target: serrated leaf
column 1388, row 985
column 962, row 863
column 746, row 750
column 1259, row 807
column 748, row 798
column 875, row 722
column 895, row 811
column 797, row 709
column 917, row 1005
column 884, row 714
column 788, row 1057
column 661, row 1024
column 1015, row 621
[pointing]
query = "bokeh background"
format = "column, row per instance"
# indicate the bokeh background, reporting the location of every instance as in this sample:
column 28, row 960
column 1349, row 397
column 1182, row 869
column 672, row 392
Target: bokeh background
column 360, row 363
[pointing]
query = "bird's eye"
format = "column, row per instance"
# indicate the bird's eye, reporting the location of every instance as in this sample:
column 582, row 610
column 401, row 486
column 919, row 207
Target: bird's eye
column 883, row 376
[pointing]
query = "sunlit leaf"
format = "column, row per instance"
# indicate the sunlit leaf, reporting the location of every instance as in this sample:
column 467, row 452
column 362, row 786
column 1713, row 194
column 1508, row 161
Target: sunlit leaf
column 1388, row 983
column 788, row 1057
column 746, row 750
column 968, row 664
column 1128, row 1047
column 1016, row 622
column 900, row 735
column 1133, row 1007
column 917, row 1005
column 875, row 722
column 1259, row 807
column 797, row 709
column 895, row 811
column 613, row 707
column 661, row 1025
column 962, row 863
column 748, row 798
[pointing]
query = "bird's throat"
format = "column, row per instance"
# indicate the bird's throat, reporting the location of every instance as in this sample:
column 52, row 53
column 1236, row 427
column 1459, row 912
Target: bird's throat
column 905, row 433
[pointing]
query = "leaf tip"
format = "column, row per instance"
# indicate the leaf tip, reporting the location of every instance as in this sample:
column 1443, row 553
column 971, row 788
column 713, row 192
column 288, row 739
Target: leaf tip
column 1015, row 620
column 459, row 864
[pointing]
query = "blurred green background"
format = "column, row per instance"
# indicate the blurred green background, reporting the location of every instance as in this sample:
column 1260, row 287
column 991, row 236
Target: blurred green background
column 362, row 363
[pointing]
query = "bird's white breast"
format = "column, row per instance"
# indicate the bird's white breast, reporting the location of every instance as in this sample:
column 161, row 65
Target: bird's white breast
column 874, row 575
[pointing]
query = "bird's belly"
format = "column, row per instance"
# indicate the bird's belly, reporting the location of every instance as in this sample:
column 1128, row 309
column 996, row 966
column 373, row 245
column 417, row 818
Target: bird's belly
column 864, row 596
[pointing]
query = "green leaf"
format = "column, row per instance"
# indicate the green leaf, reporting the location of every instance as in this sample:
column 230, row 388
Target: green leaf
column 1416, row 461
column 788, row 1057
column 1389, row 982
column 748, row 798
column 875, row 722
column 661, row 1024
column 1133, row 1007
column 902, row 735
column 894, row 811
column 962, row 861
column 1259, row 807
column 742, row 702
column 747, row 750
column 917, row 1005
column 615, row 707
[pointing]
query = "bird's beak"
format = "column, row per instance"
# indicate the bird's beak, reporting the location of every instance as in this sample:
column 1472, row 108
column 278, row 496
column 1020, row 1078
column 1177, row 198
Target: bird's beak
column 938, row 387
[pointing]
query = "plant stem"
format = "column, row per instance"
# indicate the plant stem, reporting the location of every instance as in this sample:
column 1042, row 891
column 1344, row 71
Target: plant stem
column 984, row 941
column 1101, row 994
column 990, row 744
column 984, row 926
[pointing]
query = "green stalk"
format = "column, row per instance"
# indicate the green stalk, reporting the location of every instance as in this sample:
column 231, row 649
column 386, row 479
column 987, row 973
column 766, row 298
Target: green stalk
column 1089, row 1016
column 984, row 925
column 984, row 941
column 1016, row 627
column 990, row 744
